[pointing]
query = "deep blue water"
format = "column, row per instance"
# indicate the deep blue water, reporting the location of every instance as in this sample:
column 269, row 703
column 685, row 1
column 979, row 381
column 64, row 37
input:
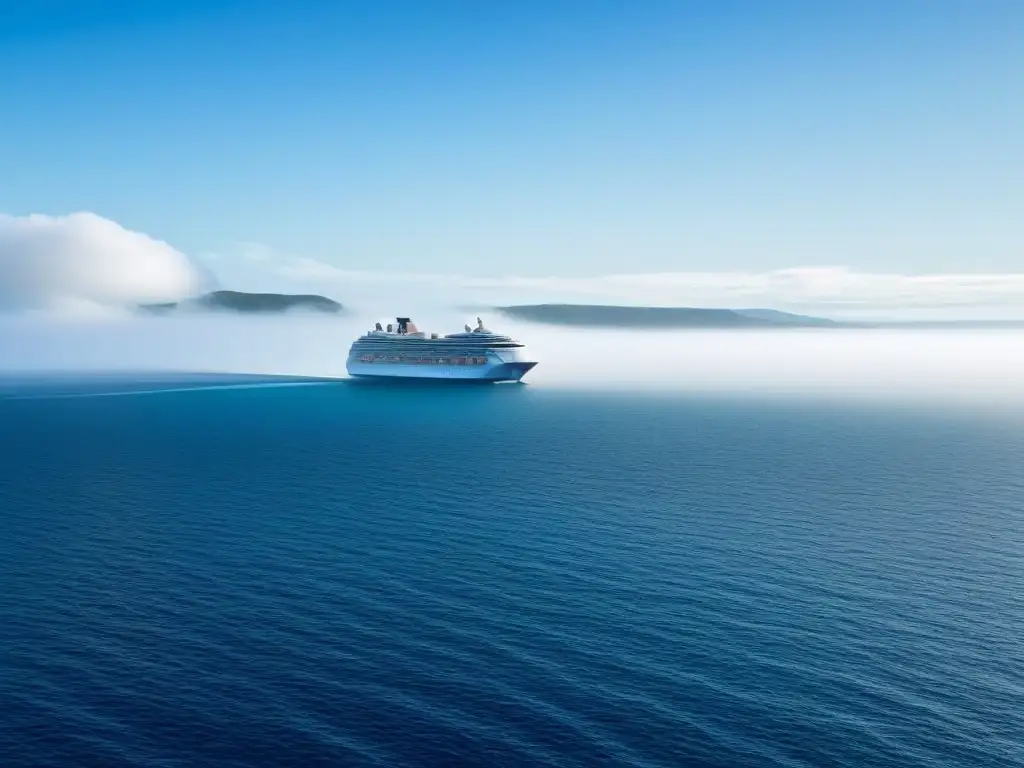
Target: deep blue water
column 507, row 576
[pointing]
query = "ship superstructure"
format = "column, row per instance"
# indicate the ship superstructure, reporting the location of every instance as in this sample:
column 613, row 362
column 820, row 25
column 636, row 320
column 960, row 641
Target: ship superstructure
column 401, row 350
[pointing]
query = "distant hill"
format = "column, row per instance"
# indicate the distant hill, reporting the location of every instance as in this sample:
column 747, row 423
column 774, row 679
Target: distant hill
column 787, row 318
column 250, row 303
column 606, row 316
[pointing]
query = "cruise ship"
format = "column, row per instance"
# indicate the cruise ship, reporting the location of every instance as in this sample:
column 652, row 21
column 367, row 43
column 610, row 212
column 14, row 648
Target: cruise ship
column 403, row 351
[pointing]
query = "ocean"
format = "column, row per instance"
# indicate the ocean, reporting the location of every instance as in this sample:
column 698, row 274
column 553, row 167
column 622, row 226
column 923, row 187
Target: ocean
column 248, row 571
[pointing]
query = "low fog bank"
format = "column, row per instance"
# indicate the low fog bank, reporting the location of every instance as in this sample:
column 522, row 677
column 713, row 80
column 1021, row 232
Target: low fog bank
column 963, row 365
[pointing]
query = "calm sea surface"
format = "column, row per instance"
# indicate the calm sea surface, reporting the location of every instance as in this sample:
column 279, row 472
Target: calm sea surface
column 505, row 576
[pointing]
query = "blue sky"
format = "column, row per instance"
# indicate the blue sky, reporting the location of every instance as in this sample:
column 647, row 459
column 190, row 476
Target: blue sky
column 529, row 138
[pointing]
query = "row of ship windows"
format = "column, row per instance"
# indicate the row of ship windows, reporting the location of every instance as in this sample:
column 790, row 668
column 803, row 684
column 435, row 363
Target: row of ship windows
column 420, row 360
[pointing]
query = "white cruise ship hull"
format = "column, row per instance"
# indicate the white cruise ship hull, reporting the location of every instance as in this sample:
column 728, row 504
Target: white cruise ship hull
column 492, row 371
column 406, row 353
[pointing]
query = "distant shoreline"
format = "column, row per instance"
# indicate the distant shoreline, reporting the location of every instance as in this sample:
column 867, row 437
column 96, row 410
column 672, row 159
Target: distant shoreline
column 604, row 316
column 249, row 303
column 652, row 318
column 619, row 317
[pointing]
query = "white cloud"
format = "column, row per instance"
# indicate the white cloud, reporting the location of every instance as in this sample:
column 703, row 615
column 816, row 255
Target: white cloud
column 826, row 289
column 83, row 262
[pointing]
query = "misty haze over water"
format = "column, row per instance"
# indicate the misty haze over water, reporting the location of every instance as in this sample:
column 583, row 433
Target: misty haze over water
column 969, row 365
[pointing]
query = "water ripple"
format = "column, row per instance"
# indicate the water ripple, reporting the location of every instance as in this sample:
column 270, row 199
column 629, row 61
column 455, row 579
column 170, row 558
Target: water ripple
column 346, row 576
